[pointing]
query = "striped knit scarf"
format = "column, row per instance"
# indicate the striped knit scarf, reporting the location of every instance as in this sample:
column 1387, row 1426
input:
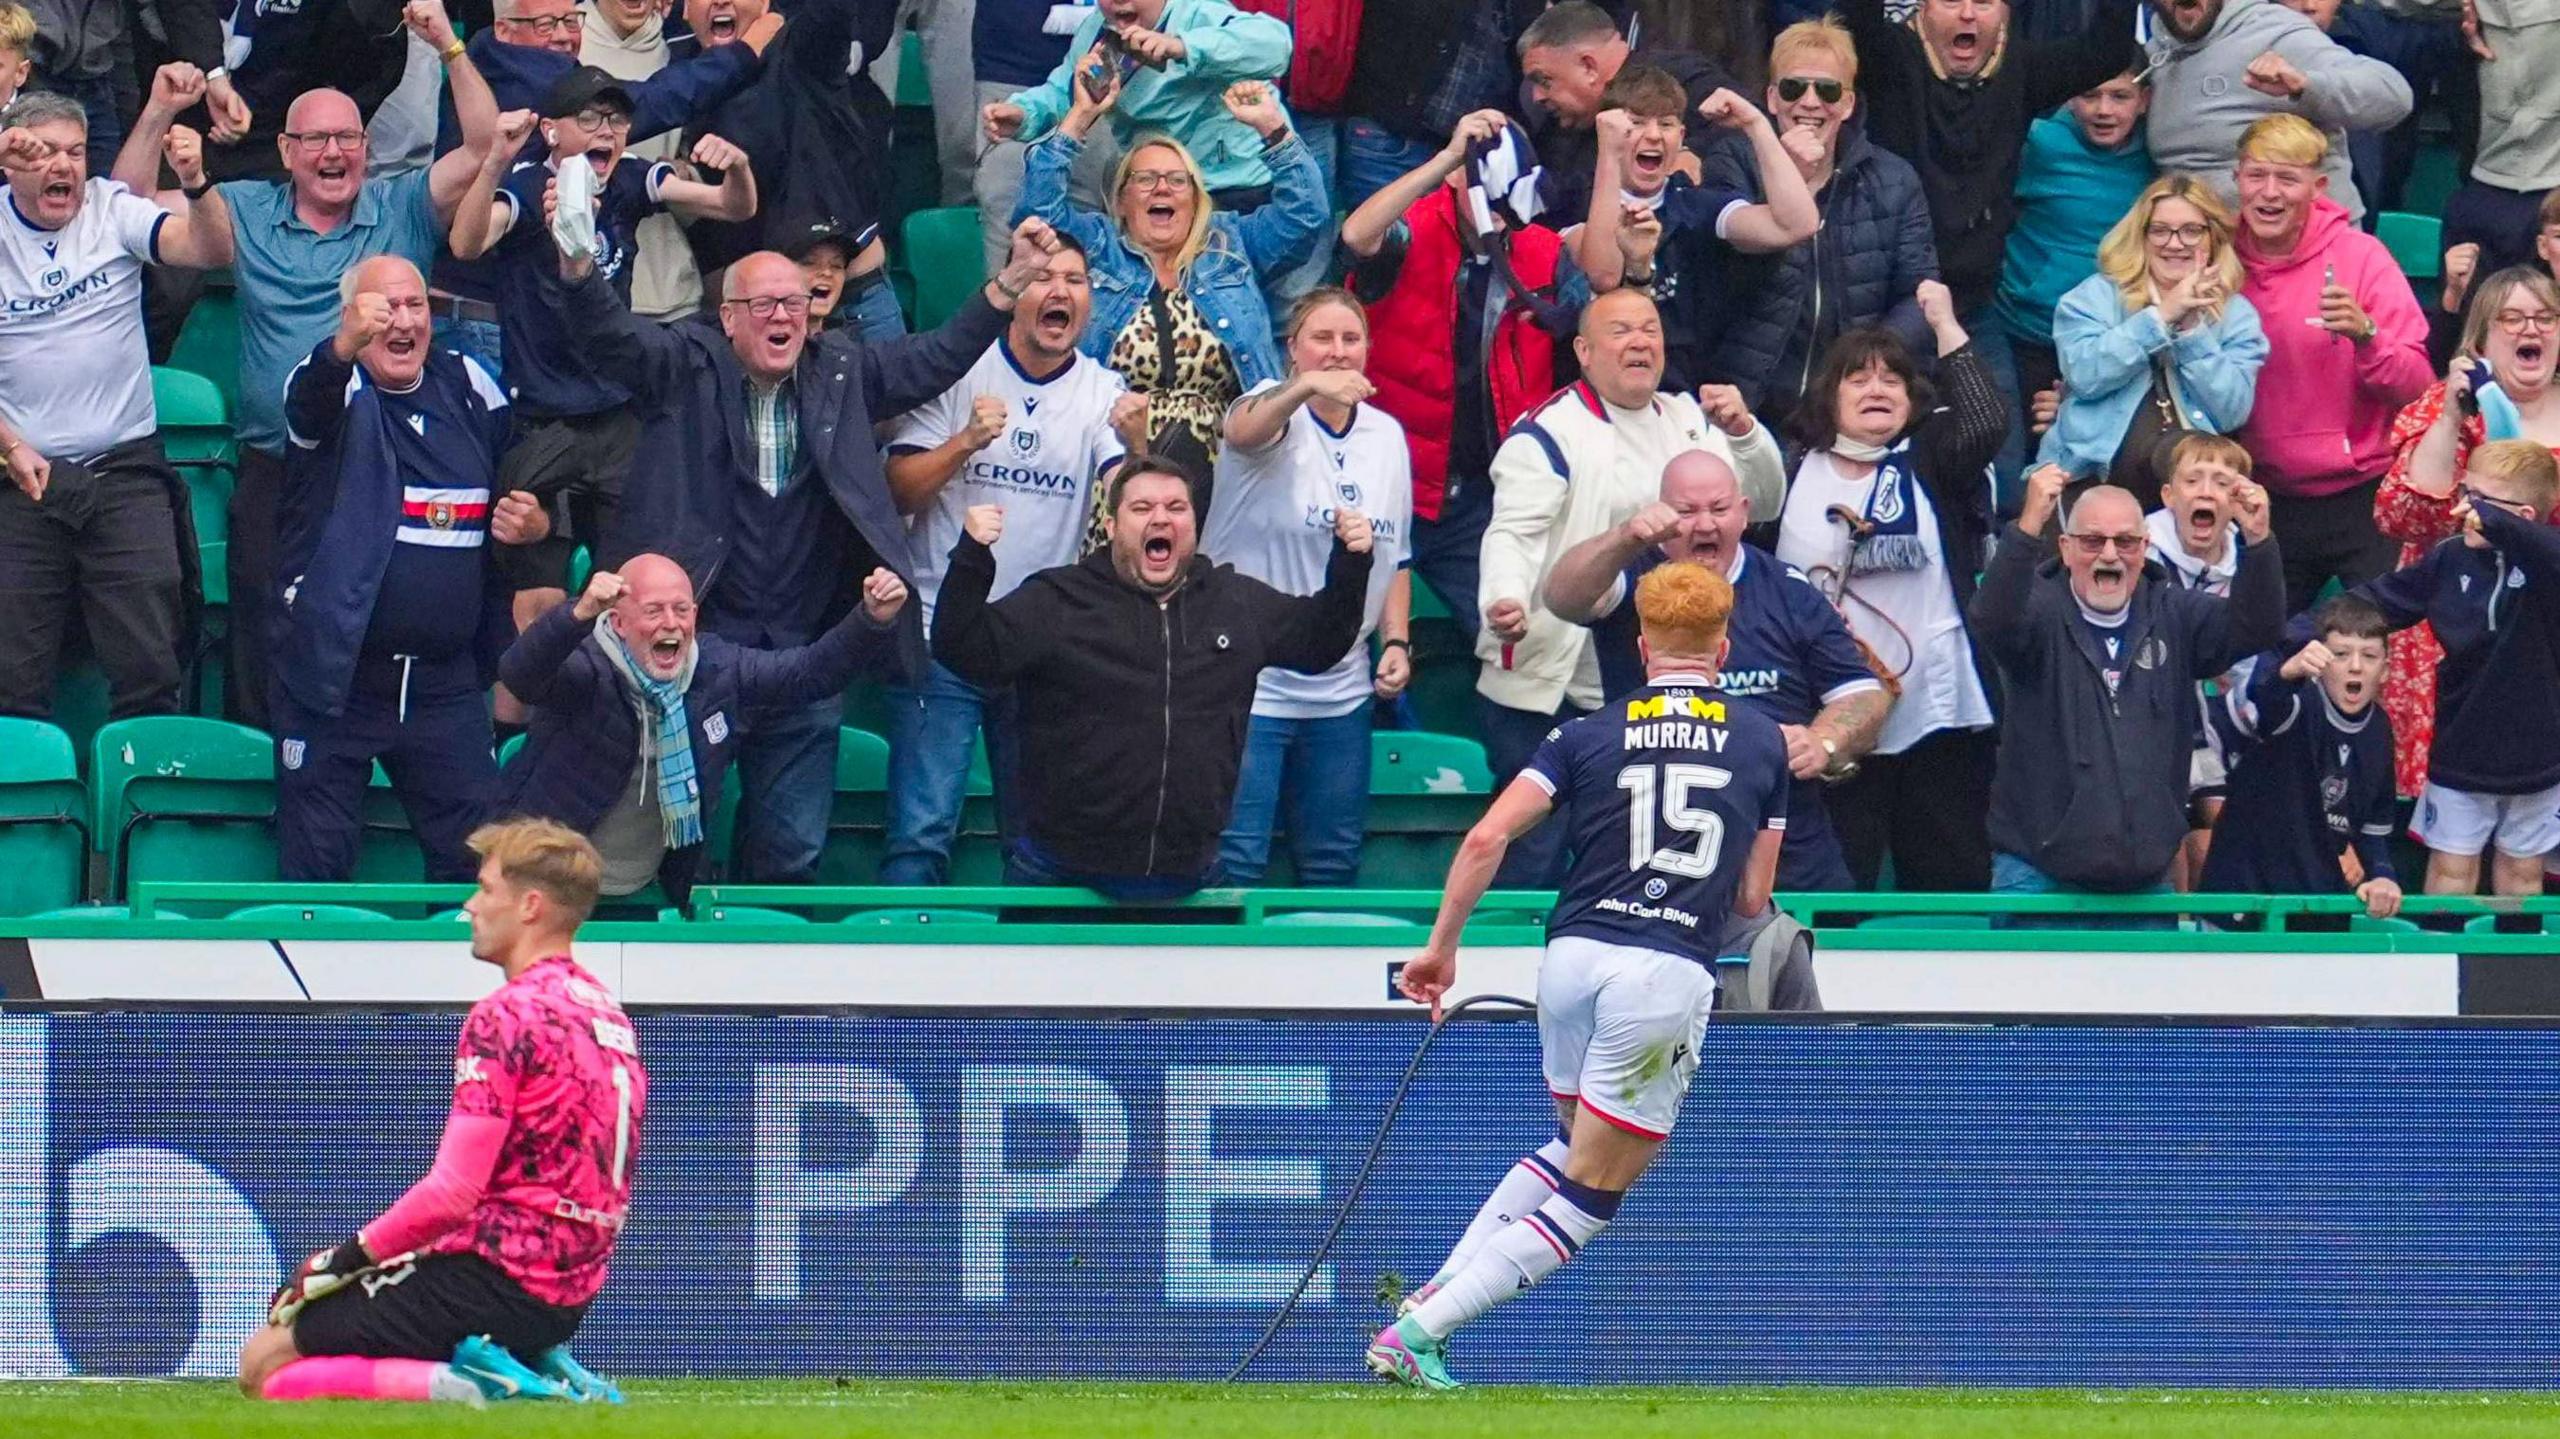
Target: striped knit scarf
column 679, row 792
column 1890, row 531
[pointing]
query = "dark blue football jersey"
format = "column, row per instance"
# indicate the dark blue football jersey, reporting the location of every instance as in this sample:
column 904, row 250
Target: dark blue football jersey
column 1663, row 792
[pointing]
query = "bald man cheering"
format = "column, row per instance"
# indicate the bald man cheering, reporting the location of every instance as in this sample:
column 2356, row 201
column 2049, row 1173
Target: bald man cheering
column 390, row 617
column 636, row 715
column 760, row 476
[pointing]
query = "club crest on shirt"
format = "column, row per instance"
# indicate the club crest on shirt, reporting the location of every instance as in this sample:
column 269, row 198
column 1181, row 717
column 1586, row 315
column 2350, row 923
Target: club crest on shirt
column 2151, row 654
column 293, row 752
column 53, row 279
column 1349, row 491
column 440, row 514
column 1026, row 443
column 2333, row 791
column 716, row 728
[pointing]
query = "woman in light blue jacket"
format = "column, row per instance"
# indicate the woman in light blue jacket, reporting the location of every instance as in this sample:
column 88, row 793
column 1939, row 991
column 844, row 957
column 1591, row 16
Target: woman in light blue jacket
column 1179, row 308
column 2160, row 328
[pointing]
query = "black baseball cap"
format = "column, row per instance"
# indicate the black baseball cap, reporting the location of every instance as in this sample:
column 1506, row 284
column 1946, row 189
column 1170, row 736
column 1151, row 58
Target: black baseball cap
column 830, row 232
column 584, row 87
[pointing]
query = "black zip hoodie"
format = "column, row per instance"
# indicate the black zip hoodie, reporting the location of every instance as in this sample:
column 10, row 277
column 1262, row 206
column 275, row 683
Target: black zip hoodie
column 1133, row 709
column 2092, row 783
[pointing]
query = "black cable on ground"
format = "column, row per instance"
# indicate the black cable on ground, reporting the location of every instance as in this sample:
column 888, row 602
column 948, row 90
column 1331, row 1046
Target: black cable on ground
column 1360, row 1180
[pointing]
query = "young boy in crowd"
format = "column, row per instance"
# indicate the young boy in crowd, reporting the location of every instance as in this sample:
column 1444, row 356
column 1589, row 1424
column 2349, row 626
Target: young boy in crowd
column 2083, row 167
column 17, row 50
column 2311, row 769
column 1653, row 225
column 2492, row 594
column 575, row 430
column 2195, row 544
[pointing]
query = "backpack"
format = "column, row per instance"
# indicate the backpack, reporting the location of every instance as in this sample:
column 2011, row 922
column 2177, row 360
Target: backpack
column 1325, row 37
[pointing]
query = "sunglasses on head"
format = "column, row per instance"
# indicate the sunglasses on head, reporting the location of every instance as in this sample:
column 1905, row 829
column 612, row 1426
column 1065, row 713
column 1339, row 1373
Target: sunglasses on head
column 1791, row 89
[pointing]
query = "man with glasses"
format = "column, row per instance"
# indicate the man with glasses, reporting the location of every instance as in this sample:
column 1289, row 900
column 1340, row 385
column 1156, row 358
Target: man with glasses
column 763, row 481
column 288, row 241
column 2100, row 661
column 91, row 519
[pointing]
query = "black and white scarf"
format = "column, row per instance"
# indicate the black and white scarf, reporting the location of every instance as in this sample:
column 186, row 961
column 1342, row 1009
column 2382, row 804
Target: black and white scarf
column 1889, row 535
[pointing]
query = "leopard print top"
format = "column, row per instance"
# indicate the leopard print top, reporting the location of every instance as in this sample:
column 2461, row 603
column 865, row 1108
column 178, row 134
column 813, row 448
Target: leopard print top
column 1169, row 353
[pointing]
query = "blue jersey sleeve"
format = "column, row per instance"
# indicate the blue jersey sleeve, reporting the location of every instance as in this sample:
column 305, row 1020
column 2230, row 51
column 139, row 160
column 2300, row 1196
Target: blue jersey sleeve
column 1550, row 766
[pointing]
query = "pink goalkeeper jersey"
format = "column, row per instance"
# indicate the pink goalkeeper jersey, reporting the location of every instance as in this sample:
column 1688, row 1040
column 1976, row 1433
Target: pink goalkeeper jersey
column 552, row 1054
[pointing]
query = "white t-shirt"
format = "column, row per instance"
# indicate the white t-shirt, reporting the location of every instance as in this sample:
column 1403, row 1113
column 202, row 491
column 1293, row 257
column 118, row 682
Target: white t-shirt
column 1908, row 617
column 1271, row 516
column 75, row 375
column 1057, row 438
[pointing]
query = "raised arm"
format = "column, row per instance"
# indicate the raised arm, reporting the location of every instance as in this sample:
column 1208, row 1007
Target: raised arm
column 1964, row 437
column 691, row 90
column 2252, row 618
column 898, row 375
column 826, row 665
column 481, row 216
column 2429, row 441
column 1789, row 215
column 1999, row 612
column 642, row 353
column 1367, row 228
column 987, row 644
column 1282, row 233
column 733, row 199
column 538, row 667
column 2337, row 89
column 475, row 107
column 1584, row 579
column 1311, row 633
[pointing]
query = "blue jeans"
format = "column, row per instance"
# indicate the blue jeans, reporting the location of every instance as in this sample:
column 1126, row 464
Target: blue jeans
column 2013, row 875
column 786, row 789
column 479, row 339
column 930, row 729
column 1991, row 342
column 874, row 311
column 1318, row 768
column 1511, row 736
column 1447, row 552
column 1372, row 158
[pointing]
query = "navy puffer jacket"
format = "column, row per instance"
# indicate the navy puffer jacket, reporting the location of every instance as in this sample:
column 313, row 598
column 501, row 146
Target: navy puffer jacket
column 1872, row 252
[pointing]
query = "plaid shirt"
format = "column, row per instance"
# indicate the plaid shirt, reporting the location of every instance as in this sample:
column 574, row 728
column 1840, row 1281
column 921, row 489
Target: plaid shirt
column 1479, row 72
column 773, row 426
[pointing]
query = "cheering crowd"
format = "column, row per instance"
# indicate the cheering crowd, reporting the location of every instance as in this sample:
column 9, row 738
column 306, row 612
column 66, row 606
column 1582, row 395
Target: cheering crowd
column 2106, row 510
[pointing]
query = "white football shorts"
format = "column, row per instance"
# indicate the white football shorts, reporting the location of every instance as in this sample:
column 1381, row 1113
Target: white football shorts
column 1619, row 1029
column 2461, row 823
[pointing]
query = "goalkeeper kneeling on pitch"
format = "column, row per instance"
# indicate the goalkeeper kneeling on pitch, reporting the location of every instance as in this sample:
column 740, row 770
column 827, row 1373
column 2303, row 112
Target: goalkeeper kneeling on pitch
column 469, row 1288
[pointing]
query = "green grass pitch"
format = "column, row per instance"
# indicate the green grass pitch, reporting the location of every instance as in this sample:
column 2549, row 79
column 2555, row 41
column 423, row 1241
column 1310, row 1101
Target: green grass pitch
column 823, row 1409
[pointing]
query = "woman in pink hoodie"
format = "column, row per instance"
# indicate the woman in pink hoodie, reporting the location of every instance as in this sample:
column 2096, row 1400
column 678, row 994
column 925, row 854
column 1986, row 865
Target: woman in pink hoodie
column 2346, row 350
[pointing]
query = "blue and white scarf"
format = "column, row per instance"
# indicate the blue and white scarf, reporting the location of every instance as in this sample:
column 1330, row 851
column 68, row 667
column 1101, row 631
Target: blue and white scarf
column 662, row 701
column 1889, row 537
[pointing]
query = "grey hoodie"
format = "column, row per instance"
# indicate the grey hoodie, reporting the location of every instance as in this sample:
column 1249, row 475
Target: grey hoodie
column 2201, row 100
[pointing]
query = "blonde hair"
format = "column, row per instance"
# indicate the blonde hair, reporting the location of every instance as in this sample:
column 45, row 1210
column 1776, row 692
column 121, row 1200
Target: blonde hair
column 17, row 30
column 1684, row 608
column 1825, row 37
column 2284, row 140
column 2124, row 255
column 1201, row 211
column 2524, row 463
column 2200, row 448
column 548, row 856
column 2492, row 296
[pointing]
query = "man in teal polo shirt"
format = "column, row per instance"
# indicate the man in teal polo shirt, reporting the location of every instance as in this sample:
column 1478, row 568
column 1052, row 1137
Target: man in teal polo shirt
column 290, row 241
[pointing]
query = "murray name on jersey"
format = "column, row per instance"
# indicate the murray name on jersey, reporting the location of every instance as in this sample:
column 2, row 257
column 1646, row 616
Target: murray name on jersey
column 1663, row 793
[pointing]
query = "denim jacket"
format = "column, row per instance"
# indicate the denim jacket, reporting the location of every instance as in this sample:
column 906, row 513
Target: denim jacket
column 1225, row 282
column 2106, row 356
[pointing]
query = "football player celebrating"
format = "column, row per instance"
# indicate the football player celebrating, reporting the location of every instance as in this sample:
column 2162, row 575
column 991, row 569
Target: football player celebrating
column 1676, row 797
column 487, row 1264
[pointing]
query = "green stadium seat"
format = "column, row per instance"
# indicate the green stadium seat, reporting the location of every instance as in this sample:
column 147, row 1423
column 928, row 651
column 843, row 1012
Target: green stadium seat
column 2367, row 924
column 209, row 343
column 740, row 914
column 311, row 913
column 44, row 819
column 80, row 702
column 918, row 918
column 182, row 798
column 2517, row 924
column 1425, row 791
column 507, row 751
column 1349, row 918
column 858, row 821
column 915, row 83
column 947, row 258
column 582, row 567
column 2415, row 241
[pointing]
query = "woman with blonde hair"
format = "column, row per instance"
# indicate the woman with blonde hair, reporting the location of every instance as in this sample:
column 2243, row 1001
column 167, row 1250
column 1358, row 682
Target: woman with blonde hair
column 2157, row 343
column 1179, row 308
column 2499, row 387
